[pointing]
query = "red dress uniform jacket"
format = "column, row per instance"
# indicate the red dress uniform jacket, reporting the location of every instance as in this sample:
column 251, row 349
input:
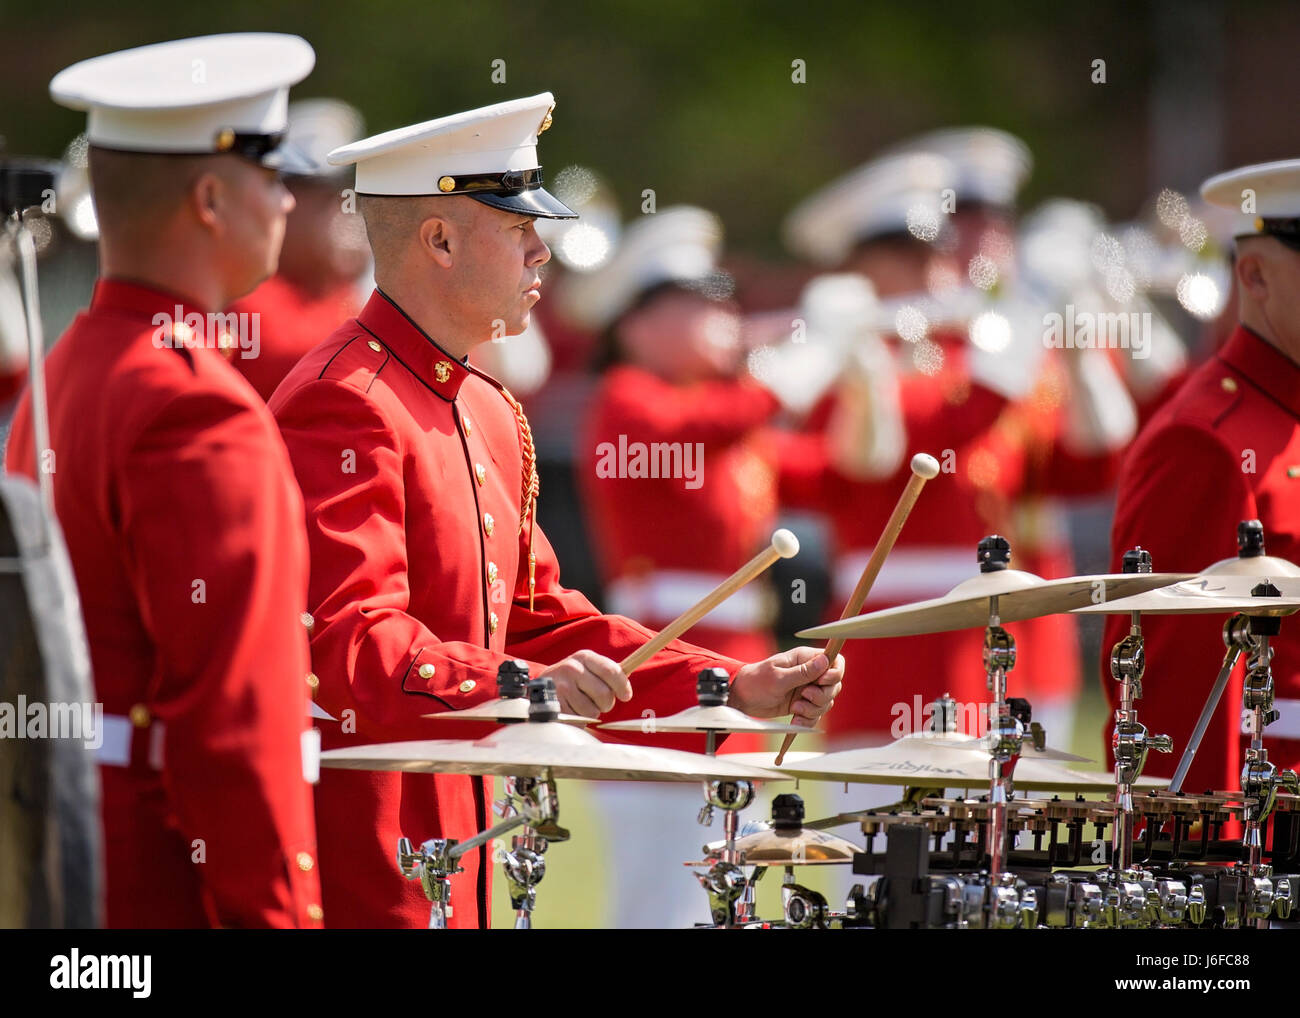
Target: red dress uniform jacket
column 290, row 322
column 185, row 532
column 1225, row 449
column 411, row 465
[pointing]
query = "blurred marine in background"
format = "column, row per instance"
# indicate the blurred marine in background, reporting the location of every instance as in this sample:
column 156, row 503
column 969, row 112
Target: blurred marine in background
column 323, row 273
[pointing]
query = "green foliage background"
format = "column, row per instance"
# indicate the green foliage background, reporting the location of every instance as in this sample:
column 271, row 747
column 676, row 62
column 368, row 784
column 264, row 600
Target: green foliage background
column 696, row 100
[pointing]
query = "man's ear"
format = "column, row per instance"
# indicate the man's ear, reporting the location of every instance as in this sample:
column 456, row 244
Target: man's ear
column 1250, row 272
column 207, row 194
column 437, row 239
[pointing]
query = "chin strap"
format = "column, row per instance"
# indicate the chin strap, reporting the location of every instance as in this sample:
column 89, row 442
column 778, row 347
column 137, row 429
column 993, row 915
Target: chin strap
column 528, row 492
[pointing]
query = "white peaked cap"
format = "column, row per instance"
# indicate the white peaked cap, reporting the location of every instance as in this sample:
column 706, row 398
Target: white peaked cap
column 991, row 165
column 488, row 153
column 193, row 96
column 681, row 244
column 1274, row 190
column 318, row 126
column 887, row 195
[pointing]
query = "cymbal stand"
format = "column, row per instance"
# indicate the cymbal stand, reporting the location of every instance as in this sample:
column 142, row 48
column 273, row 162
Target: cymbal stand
column 1004, row 737
column 525, row 864
column 438, row 859
column 1130, row 739
column 1238, row 640
column 731, row 896
column 1260, row 778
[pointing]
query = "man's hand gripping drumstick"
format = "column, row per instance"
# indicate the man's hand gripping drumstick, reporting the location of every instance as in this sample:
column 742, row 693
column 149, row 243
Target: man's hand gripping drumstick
column 799, row 681
column 924, row 467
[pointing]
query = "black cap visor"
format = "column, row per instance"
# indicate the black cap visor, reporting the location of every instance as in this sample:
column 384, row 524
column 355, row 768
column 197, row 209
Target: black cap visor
column 1285, row 230
column 535, row 201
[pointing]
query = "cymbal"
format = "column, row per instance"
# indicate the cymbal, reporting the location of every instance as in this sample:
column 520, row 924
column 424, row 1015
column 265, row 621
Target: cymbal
column 502, row 711
column 1259, row 566
column 765, row 758
column 1089, row 779
column 706, row 719
column 1028, row 751
column 1208, row 594
column 787, row 847
column 1020, row 596
column 533, row 749
column 918, row 760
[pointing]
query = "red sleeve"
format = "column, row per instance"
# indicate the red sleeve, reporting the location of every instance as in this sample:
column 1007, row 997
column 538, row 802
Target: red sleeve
column 1181, row 497
column 212, row 537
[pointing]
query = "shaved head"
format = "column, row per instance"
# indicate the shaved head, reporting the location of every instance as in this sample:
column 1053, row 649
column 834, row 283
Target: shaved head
column 135, row 191
column 208, row 227
column 392, row 222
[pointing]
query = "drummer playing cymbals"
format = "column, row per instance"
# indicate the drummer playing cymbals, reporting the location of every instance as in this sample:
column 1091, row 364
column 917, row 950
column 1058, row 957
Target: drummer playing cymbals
column 418, row 473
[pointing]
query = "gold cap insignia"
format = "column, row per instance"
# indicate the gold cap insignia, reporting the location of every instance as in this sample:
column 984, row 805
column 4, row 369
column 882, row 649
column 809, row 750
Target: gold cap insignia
column 547, row 120
column 442, row 370
column 446, row 184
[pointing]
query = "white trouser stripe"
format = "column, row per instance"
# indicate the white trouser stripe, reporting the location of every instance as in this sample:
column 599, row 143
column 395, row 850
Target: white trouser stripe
column 118, row 731
column 909, row 574
column 115, row 750
column 660, row 597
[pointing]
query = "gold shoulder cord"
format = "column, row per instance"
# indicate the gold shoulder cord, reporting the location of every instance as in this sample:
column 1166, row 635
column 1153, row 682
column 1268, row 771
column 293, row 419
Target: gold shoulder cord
column 528, row 494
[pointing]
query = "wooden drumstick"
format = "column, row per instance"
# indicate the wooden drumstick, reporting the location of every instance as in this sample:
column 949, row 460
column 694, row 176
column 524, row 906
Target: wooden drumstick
column 924, row 467
column 784, row 545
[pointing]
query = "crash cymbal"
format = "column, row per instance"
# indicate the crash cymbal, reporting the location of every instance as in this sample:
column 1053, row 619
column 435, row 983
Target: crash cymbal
column 533, row 749
column 918, row 760
column 787, row 847
column 974, row 743
column 706, row 719
column 1093, row 779
column 1020, row 596
column 502, row 711
column 765, row 758
column 1254, row 566
column 1208, row 594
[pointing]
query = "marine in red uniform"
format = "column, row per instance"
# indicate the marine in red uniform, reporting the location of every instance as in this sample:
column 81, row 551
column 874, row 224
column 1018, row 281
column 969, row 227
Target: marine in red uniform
column 1226, row 448
column 318, row 283
column 174, row 490
column 418, row 473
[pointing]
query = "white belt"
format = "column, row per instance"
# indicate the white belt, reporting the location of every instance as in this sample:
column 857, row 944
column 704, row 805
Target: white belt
column 118, row 734
column 1287, row 726
column 909, row 574
column 660, row 597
